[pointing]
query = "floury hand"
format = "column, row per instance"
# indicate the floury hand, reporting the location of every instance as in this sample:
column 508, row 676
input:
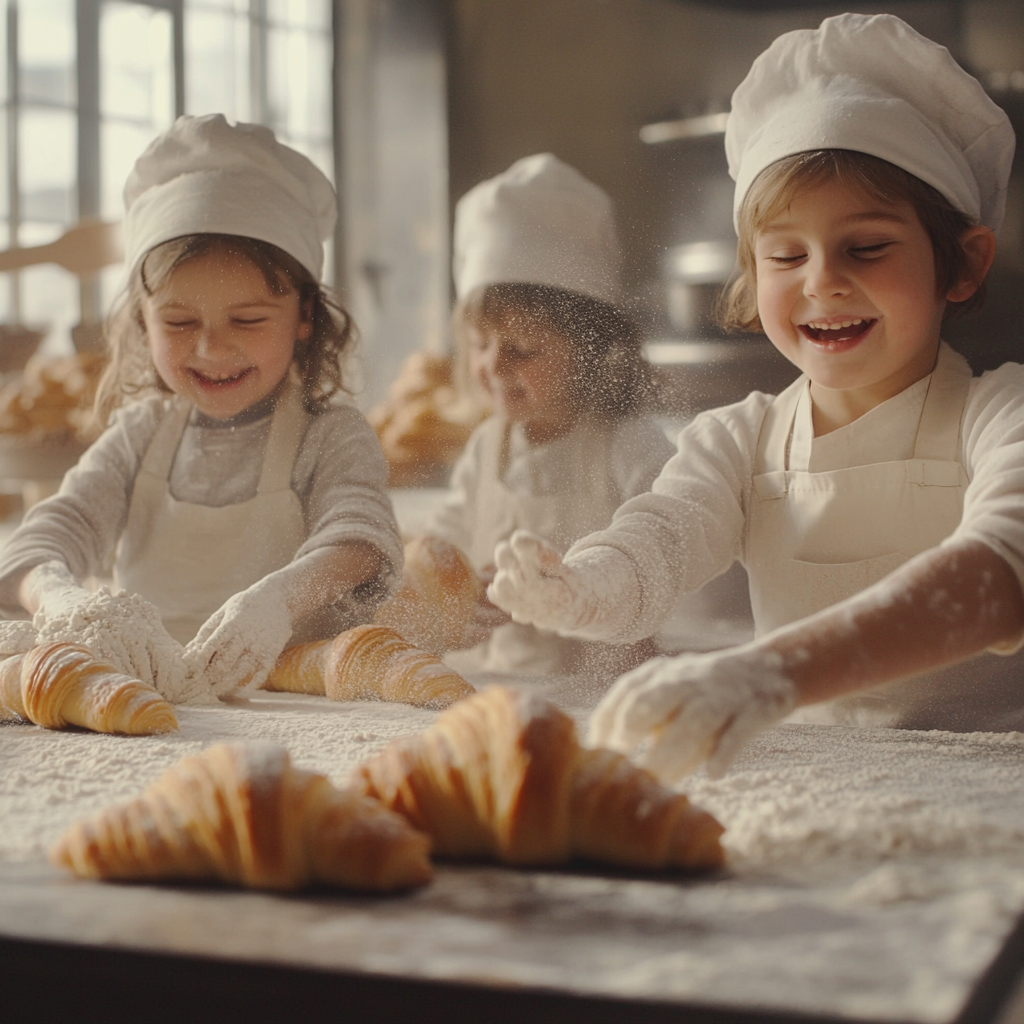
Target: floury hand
column 536, row 587
column 693, row 708
column 122, row 629
column 240, row 643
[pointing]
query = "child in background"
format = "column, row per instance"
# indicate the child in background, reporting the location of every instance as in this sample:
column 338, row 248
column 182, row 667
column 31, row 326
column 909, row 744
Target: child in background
column 243, row 506
column 877, row 503
column 536, row 268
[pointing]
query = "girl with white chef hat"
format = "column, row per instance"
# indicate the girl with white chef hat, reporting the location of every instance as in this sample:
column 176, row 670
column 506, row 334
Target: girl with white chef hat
column 239, row 495
column 877, row 503
column 537, row 278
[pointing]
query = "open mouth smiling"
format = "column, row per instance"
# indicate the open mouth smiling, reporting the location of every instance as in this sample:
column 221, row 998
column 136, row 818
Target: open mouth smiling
column 218, row 382
column 824, row 332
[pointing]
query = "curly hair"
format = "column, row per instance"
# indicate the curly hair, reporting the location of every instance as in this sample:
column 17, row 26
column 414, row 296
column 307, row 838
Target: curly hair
column 610, row 375
column 320, row 358
column 780, row 183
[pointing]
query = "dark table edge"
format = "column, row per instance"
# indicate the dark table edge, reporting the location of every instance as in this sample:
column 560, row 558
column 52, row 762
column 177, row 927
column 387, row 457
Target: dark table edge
column 60, row 982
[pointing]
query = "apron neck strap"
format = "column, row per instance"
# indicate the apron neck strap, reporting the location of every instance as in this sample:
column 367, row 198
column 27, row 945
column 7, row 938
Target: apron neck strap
column 777, row 428
column 287, row 429
column 938, row 431
column 160, row 454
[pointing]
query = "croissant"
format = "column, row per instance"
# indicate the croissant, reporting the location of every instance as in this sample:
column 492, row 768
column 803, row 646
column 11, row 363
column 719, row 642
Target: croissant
column 502, row 775
column 368, row 663
column 60, row 684
column 240, row 813
column 436, row 599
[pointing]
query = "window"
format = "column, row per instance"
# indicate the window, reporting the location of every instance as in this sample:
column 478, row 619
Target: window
column 84, row 87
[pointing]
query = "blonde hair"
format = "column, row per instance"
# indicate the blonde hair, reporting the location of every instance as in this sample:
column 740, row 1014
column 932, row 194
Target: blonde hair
column 779, row 184
column 320, row 357
column 610, row 375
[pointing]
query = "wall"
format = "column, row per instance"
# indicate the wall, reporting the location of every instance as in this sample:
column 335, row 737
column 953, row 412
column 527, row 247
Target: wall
column 580, row 77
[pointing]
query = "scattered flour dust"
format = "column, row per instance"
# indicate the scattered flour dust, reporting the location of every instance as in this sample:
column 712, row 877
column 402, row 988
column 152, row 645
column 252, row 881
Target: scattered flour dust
column 125, row 630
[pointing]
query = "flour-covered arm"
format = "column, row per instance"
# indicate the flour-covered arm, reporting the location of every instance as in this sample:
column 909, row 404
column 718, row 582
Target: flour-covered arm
column 618, row 584
column 341, row 478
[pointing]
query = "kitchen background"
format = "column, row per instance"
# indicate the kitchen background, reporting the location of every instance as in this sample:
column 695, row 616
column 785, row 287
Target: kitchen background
column 406, row 104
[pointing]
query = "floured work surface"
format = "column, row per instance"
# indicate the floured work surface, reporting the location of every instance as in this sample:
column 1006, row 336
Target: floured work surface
column 874, row 874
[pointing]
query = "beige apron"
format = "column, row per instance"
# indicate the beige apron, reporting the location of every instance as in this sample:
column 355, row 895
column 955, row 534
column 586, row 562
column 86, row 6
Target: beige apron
column 814, row 539
column 188, row 559
column 585, row 503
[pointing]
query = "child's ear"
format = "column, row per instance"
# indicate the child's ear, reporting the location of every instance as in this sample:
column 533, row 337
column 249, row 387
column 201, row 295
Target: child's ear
column 979, row 243
column 306, row 321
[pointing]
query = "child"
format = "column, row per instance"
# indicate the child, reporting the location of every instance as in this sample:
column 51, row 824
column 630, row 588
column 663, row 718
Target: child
column 536, row 271
column 237, row 499
column 878, row 503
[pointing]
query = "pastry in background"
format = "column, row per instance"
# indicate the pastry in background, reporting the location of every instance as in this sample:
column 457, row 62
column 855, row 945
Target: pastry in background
column 51, row 399
column 439, row 592
column 242, row 814
column 424, row 424
column 368, row 663
column 503, row 776
column 60, row 684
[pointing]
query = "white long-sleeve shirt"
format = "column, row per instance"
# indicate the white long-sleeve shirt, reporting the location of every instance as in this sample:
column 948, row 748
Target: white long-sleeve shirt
column 340, row 477
column 691, row 527
column 637, row 451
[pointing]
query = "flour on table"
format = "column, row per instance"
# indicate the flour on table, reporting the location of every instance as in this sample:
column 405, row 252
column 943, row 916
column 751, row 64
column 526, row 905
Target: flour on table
column 872, row 874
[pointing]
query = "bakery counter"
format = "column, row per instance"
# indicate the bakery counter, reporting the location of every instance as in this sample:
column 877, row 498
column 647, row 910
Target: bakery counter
column 873, row 876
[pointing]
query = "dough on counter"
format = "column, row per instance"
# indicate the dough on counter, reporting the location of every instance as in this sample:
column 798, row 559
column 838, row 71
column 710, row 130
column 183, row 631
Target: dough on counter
column 241, row 813
column 368, row 663
column 60, row 684
column 502, row 775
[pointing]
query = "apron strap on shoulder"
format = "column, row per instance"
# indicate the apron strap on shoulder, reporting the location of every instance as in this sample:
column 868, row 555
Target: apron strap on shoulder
column 777, row 427
column 163, row 447
column 938, row 431
column 287, row 429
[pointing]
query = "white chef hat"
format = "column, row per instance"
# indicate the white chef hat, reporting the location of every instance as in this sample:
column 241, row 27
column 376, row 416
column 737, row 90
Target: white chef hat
column 204, row 175
column 539, row 222
column 870, row 83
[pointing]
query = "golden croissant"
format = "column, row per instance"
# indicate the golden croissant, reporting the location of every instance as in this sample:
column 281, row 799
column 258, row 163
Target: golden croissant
column 502, row 775
column 436, row 599
column 60, row 684
column 241, row 813
column 368, row 663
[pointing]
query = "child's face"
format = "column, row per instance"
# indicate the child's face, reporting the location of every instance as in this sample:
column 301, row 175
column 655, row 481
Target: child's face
column 528, row 376
column 836, row 257
column 219, row 336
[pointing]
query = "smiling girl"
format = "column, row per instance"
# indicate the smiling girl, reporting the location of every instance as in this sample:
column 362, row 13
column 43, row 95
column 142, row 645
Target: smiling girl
column 878, row 503
column 239, row 495
column 537, row 275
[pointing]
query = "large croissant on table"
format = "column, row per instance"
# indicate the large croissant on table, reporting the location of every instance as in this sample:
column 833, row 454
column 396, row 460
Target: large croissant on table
column 368, row 663
column 59, row 684
column 241, row 813
column 502, row 775
column 436, row 599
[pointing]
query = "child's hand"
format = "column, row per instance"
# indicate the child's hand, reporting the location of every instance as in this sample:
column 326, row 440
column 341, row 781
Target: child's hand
column 693, row 708
column 122, row 629
column 242, row 640
column 536, row 587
